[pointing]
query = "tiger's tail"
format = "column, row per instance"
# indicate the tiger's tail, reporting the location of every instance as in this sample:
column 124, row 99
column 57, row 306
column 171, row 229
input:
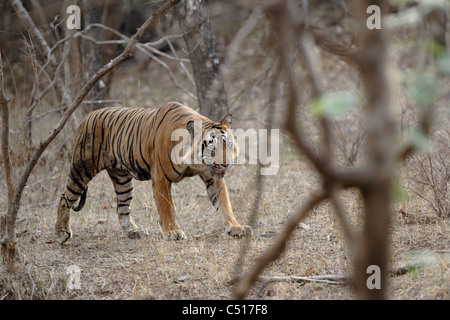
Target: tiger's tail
column 81, row 202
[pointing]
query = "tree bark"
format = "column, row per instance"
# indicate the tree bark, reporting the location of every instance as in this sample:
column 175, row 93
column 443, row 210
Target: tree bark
column 8, row 242
column 92, row 53
column 374, row 247
column 193, row 17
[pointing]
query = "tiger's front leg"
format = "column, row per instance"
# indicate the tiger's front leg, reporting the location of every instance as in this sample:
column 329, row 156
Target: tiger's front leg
column 163, row 199
column 218, row 194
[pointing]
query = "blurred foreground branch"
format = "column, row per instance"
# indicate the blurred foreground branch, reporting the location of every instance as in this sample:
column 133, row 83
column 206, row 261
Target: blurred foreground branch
column 374, row 176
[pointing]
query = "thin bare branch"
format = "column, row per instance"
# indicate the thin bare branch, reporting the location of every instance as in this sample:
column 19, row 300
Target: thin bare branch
column 146, row 48
column 29, row 24
column 326, row 279
column 341, row 215
column 313, row 67
column 235, row 45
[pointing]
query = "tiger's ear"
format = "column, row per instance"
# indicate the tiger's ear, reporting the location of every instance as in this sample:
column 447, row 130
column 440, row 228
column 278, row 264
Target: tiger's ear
column 190, row 127
column 227, row 121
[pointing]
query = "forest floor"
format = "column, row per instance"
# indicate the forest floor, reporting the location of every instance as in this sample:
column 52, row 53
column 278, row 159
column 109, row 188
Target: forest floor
column 112, row 266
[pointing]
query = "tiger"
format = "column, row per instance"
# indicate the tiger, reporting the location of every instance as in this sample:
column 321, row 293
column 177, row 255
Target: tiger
column 137, row 144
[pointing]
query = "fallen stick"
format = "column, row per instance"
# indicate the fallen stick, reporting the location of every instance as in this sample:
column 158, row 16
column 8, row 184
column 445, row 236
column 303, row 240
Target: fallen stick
column 327, row 279
column 336, row 279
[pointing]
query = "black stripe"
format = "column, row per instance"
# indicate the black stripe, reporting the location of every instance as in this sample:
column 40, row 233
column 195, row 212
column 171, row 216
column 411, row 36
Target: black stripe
column 165, row 114
column 118, row 137
column 214, row 199
column 123, row 192
column 142, row 156
column 66, row 201
column 207, row 124
column 94, row 127
column 70, row 200
column 72, row 177
column 138, row 134
column 100, row 147
column 127, row 199
column 116, row 180
column 209, row 183
column 83, row 151
column 181, row 116
column 163, row 171
column 171, row 163
column 73, row 191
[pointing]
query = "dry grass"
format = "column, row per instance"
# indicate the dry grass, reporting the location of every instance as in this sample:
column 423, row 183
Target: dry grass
column 115, row 267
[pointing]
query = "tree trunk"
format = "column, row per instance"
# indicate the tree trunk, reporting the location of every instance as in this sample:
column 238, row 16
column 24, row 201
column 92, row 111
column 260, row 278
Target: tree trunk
column 92, row 54
column 193, row 17
column 374, row 247
column 7, row 223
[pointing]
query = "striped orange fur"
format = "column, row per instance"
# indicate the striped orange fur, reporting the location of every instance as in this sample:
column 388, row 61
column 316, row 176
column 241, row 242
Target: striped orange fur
column 136, row 143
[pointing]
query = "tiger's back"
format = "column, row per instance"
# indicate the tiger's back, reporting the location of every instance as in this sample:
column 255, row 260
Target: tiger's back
column 107, row 138
column 130, row 139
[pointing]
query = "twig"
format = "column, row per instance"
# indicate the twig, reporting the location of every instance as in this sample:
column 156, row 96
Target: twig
column 235, row 45
column 32, row 282
column 148, row 49
column 335, row 279
column 31, row 27
column 326, row 279
column 183, row 66
column 340, row 213
column 101, row 101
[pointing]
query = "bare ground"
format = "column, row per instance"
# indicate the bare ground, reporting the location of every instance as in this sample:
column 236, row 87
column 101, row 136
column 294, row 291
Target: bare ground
column 115, row 267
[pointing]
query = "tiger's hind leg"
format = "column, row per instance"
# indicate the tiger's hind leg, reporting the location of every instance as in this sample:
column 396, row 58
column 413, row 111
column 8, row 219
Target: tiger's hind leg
column 123, row 186
column 76, row 187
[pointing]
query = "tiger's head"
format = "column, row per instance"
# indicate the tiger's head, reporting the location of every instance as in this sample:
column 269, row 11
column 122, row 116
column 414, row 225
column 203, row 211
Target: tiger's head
column 216, row 148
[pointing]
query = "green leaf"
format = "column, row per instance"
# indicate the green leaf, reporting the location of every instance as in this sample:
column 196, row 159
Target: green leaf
column 334, row 104
column 435, row 48
column 419, row 140
column 443, row 63
column 423, row 89
column 398, row 192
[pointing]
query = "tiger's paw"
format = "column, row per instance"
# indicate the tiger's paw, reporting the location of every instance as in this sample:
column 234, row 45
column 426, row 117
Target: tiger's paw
column 239, row 231
column 137, row 234
column 63, row 235
column 177, row 234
